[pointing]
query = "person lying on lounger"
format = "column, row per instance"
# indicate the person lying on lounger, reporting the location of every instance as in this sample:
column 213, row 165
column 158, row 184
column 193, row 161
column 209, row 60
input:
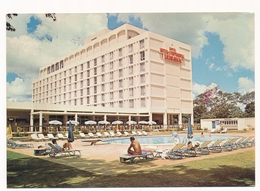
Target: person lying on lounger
column 67, row 146
column 54, row 142
column 136, row 147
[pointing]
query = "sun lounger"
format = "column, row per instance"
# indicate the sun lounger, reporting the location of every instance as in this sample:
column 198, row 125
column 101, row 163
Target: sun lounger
column 139, row 133
column 92, row 141
column 51, row 137
column 216, row 147
column 203, row 149
column 91, row 135
column 126, row 133
column 18, row 144
column 106, row 134
column 224, row 130
column 230, row 144
column 190, row 152
column 99, row 134
column 41, row 136
column 176, row 152
column 241, row 141
column 112, row 134
column 35, row 137
column 146, row 154
column 249, row 142
column 82, row 135
column 119, row 134
column 54, row 151
column 60, row 136
column 144, row 133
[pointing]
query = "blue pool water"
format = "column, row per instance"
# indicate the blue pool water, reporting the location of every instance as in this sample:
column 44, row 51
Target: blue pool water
column 166, row 139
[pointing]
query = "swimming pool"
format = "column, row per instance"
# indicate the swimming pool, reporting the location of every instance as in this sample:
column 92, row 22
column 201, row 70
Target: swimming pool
column 166, row 139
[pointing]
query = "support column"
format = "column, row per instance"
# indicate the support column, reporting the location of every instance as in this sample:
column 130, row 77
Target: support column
column 165, row 120
column 76, row 117
column 40, row 122
column 180, row 119
column 31, row 121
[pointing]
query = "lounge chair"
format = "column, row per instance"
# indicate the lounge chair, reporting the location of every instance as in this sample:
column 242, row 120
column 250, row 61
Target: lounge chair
column 146, row 154
column 99, row 134
column 230, row 144
column 241, row 141
column 139, row 133
column 249, row 142
column 91, row 135
column 112, row 134
column 106, row 134
column 134, row 133
column 176, row 152
column 60, row 136
column 216, row 147
column 203, row 149
column 54, row 151
column 224, row 130
column 18, row 144
column 190, row 152
column 40, row 135
column 144, row 133
column 213, row 130
column 34, row 137
column 119, row 134
column 126, row 133
column 51, row 137
column 82, row 135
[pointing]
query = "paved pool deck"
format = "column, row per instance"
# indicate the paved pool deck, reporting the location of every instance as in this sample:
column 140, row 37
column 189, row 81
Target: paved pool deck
column 103, row 158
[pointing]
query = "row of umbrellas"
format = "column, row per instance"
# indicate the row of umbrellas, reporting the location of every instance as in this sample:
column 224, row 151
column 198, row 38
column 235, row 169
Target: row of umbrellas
column 90, row 122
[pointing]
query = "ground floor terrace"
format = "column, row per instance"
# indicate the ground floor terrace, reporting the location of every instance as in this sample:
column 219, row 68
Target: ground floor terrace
column 103, row 158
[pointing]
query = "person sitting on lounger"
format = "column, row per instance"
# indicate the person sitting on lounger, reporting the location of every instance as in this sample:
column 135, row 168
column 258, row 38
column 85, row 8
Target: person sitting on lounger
column 67, row 146
column 136, row 146
column 54, row 142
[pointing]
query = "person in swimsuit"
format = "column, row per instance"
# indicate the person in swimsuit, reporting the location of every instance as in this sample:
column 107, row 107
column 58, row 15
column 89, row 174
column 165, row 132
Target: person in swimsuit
column 136, row 147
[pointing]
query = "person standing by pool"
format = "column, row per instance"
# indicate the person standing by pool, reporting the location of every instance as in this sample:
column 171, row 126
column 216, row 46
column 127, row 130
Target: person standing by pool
column 136, row 147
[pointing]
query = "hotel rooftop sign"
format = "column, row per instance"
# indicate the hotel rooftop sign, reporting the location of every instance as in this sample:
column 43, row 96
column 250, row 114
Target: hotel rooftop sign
column 172, row 55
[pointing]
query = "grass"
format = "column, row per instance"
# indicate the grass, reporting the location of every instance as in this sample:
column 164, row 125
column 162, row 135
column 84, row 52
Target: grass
column 30, row 172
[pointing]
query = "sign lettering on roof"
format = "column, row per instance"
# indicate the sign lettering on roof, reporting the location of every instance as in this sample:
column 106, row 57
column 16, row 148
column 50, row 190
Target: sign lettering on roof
column 172, row 55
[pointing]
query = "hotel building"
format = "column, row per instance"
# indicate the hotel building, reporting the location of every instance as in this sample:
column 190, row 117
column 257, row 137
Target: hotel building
column 123, row 74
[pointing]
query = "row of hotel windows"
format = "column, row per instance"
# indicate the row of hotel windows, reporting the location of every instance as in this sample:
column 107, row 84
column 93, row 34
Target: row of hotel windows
column 95, row 71
column 60, row 65
column 81, row 92
column 121, row 83
column 121, row 103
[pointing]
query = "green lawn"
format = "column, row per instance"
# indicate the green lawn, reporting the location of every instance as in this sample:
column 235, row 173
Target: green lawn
column 231, row 170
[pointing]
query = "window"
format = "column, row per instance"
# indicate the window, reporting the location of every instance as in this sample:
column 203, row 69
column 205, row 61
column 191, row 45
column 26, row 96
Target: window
column 120, row 52
column 75, row 86
column 103, row 97
column 64, row 73
column 120, row 104
column 131, row 70
column 88, row 91
column 88, row 82
column 111, row 55
column 142, row 55
column 103, row 87
column 103, row 68
column 141, row 44
column 131, row 81
column 52, row 68
column 75, row 77
column 81, row 101
column 111, row 85
column 81, row 92
column 131, row 92
column 95, row 62
column 57, row 66
column 64, row 81
column 75, row 69
column 81, row 75
column 64, row 89
column 120, row 73
column 75, row 102
column 102, row 58
column 120, row 83
column 111, row 75
column 142, row 67
column 143, row 102
column 111, row 95
column 95, row 89
column 61, row 64
column 130, row 47
column 88, row 73
column 111, row 65
column 81, row 84
column 142, row 90
column 64, row 96
column 111, row 104
column 75, row 94
column 120, row 62
column 82, row 67
column 121, row 94
column 131, row 103
column 95, row 80
column 87, row 100
column 130, row 59
column 103, row 77
column 142, row 78
column 95, row 71
column 88, row 64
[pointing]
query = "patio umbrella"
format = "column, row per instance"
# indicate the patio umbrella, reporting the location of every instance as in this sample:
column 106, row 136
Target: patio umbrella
column 117, row 122
column 152, row 123
column 143, row 122
column 70, row 133
column 55, row 122
column 131, row 122
column 103, row 122
column 72, row 122
column 90, row 122
column 190, row 133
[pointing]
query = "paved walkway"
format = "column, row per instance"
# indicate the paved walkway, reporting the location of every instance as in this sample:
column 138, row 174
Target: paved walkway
column 103, row 158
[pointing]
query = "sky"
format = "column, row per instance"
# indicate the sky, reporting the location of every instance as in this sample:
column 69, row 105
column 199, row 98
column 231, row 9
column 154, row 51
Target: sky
column 223, row 52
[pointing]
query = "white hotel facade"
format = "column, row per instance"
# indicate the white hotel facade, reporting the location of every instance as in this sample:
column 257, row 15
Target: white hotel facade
column 123, row 74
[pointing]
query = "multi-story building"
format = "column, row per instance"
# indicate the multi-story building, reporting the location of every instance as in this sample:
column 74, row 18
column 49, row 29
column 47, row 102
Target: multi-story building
column 128, row 71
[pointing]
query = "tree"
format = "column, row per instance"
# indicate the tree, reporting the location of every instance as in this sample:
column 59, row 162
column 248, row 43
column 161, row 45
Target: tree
column 9, row 27
column 250, row 110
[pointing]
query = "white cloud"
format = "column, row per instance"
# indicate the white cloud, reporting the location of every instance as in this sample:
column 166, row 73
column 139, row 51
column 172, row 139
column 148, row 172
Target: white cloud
column 26, row 53
column 245, row 85
column 19, row 90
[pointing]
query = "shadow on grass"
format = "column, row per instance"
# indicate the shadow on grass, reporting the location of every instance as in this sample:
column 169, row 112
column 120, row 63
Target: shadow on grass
column 30, row 172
